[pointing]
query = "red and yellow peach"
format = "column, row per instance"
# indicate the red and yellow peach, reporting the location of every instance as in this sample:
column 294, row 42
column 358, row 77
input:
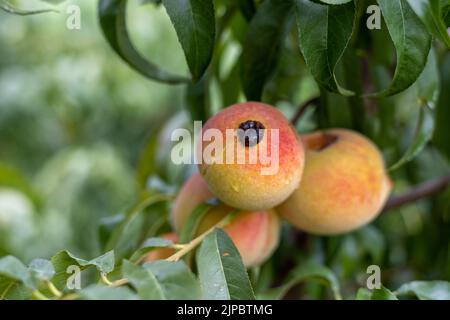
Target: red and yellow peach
column 255, row 233
column 268, row 180
column 344, row 184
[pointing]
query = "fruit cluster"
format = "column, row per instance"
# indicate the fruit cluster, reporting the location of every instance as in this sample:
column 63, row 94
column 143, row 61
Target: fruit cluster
column 328, row 182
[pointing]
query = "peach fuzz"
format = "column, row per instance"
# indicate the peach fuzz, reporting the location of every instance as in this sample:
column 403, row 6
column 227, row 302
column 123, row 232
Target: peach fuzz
column 344, row 184
column 243, row 186
column 255, row 234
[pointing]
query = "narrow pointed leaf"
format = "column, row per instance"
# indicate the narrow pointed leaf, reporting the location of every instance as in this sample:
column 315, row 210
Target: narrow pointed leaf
column 148, row 246
column 221, row 271
column 265, row 36
column 112, row 16
column 427, row 94
column 175, row 279
column 430, row 12
column 305, row 272
column 146, row 199
column 412, row 42
column 324, row 32
column 145, row 282
column 64, row 259
column 194, row 23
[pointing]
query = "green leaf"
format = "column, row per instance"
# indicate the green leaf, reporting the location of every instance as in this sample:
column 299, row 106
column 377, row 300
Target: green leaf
column 13, row 269
column 145, row 282
column 195, row 25
column 422, row 136
column 426, row 290
column 324, row 33
column 101, row 292
column 192, row 223
column 265, row 36
column 16, row 281
column 427, row 94
column 42, row 269
column 221, row 271
column 112, row 16
column 412, row 43
column 175, row 279
column 62, row 260
column 146, row 199
column 149, row 245
column 147, row 160
column 442, row 131
column 430, row 12
column 7, row 7
column 376, row 294
column 307, row 271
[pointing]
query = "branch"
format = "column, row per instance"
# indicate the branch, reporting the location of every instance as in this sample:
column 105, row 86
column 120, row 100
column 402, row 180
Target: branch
column 419, row 192
column 303, row 108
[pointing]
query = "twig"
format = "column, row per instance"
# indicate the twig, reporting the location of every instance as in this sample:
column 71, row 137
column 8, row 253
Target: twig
column 105, row 279
column 53, row 289
column 419, row 192
column 37, row 295
column 195, row 242
column 183, row 249
column 119, row 282
column 303, row 108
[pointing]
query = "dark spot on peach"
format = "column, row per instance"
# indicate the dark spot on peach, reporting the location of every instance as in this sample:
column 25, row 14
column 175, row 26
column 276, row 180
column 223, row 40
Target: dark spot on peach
column 251, row 133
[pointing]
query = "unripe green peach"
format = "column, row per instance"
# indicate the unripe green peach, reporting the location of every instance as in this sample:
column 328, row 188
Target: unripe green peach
column 278, row 160
column 255, row 234
column 344, row 184
column 162, row 253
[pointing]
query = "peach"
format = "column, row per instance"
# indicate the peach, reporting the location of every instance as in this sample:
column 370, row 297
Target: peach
column 255, row 234
column 162, row 253
column 344, row 184
column 273, row 163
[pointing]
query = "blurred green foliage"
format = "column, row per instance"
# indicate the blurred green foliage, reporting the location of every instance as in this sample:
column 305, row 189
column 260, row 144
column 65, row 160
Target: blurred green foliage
column 73, row 121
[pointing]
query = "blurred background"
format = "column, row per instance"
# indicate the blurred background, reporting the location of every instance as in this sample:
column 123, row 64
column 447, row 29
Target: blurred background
column 77, row 123
column 73, row 121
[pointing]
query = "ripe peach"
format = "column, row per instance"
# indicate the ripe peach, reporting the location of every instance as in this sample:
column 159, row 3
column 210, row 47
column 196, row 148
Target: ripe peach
column 162, row 253
column 277, row 165
column 344, row 184
column 255, row 234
